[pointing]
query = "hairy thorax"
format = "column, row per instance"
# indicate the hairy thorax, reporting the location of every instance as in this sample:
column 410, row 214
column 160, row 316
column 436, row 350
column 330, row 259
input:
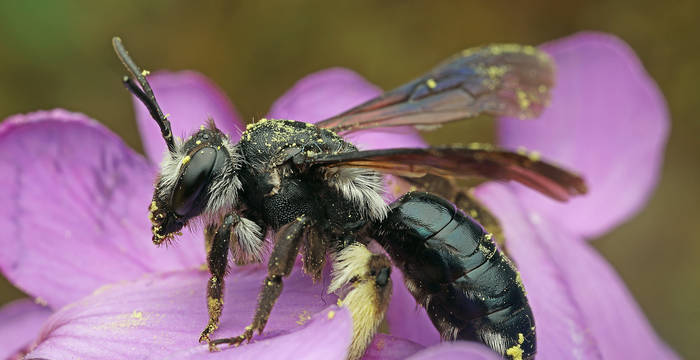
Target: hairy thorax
column 274, row 186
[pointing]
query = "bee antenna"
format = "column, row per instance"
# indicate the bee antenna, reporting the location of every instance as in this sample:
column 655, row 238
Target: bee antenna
column 143, row 93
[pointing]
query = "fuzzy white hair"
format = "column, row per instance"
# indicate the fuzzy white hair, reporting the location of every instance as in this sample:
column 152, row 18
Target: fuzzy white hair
column 363, row 187
column 247, row 242
column 223, row 188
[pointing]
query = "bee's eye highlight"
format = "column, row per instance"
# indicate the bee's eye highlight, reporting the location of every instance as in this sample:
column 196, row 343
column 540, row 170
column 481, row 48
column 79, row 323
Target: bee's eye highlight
column 195, row 175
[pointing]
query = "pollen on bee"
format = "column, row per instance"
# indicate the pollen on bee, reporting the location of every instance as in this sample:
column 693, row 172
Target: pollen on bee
column 431, row 83
column 534, row 155
column 523, row 100
column 515, row 352
column 331, row 314
column 145, row 72
column 186, row 159
column 198, row 142
column 166, row 116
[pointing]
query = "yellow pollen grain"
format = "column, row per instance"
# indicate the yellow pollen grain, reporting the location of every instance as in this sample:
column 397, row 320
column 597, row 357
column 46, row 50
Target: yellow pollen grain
column 339, row 302
column 515, row 352
column 534, row 156
column 303, row 317
column 331, row 314
column 198, row 142
column 137, row 315
column 431, row 83
column 523, row 101
column 186, row 159
column 521, row 338
column 40, row 301
column 145, row 72
column 153, row 207
column 166, row 116
column 495, row 72
column 201, row 127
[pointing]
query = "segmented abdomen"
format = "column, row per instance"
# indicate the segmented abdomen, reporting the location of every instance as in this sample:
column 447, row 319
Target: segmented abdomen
column 470, row 290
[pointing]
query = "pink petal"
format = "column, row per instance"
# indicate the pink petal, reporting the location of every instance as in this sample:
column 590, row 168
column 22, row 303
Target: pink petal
column 406, row 318
column 608, row 121
column 387, row 347
column 618, row 325
column 329, row 92
column 20, row 322
column 74, row 212
column 161, row 316
column 326, row 335
column 457, row 350
column 581, row 308
column 190, row 99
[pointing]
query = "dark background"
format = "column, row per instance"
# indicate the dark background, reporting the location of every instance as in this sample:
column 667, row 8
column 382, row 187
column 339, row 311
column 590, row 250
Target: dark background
column 58, row 54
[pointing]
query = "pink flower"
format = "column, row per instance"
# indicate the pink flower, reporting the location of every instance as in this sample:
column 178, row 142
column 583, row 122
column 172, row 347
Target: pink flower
column 76, row 232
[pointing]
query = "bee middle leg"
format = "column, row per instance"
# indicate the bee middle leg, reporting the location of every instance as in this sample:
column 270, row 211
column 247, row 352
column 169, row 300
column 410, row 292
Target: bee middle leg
column 287, row 242
column 218, row 240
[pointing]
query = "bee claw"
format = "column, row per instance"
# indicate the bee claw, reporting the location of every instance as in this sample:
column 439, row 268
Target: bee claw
column 247, row 336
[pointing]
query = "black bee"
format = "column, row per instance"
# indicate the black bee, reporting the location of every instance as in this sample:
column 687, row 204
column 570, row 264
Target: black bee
column 314, row 189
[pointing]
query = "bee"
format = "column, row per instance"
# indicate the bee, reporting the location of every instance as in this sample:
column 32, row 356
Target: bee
column 321, row 196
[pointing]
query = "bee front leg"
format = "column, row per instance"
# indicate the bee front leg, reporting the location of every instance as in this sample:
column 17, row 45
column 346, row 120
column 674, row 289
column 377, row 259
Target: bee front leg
column 287, row 242
column 217, row 260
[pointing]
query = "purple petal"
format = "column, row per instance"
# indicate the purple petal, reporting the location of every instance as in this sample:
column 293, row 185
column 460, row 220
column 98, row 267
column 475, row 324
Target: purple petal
column 457, row 350
column 20, row 322
column 608, row 121
column 387, row 347
column 161, row 316
column 74, row 212
column 618, row 325
column 326, row 335
column 190, row 99
column 581, row 308
column 329, row 92
column 406, row 318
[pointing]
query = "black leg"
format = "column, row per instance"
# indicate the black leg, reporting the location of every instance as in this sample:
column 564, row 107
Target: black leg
column 287, row 242
column 315, row 247
column 217, row 259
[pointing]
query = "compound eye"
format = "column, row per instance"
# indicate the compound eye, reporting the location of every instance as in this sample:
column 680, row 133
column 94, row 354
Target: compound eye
column 194, row 178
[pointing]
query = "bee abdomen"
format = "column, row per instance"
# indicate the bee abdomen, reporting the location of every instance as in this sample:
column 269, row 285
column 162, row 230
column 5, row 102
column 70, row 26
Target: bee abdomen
column 470, row 290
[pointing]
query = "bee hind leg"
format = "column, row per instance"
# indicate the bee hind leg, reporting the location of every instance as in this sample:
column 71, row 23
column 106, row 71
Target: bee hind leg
column 368, row 277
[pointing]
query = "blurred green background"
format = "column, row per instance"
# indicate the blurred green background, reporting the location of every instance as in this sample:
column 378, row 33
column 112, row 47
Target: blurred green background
column 58, row 54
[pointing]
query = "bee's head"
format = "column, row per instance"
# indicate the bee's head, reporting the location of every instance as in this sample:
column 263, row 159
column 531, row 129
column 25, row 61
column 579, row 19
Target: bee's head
column 198, row 178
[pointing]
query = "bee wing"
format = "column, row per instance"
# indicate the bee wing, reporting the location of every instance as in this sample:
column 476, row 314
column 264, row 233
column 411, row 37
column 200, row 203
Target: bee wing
column 506, row 79
column 458, row 161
